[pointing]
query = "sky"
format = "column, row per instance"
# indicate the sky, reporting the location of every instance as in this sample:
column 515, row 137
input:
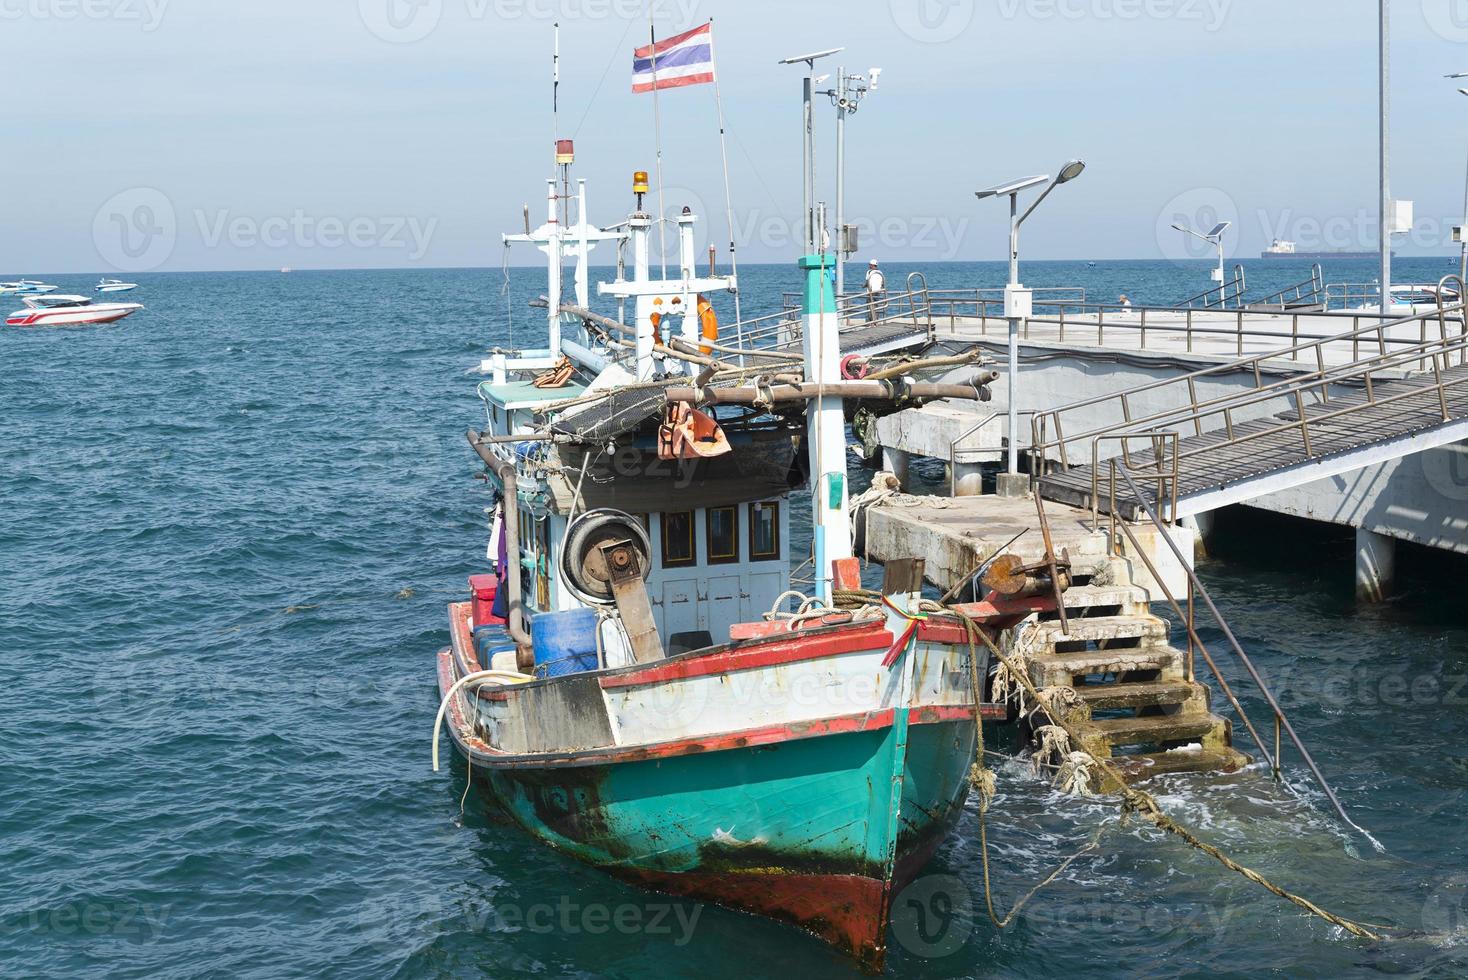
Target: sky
column 176, row 135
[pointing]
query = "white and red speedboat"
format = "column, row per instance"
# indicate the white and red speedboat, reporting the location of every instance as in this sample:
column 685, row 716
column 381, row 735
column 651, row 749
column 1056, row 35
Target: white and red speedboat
column 68, row 311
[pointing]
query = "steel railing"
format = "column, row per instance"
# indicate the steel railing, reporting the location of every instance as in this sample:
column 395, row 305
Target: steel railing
column 1307, row 292
column 1431, row 356
column 1218, row 297
column 1186, row 614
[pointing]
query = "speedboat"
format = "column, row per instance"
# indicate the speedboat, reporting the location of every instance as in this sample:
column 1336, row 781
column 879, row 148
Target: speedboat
column 68, row 311
column 115, row 286
column 25, row 287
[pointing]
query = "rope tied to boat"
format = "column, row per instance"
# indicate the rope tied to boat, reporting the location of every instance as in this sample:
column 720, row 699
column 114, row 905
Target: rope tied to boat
column 1133, row 800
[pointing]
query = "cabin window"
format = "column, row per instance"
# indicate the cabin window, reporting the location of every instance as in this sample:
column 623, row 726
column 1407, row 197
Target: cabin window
column 764, row 531
column 723, row 535
column 678, row 539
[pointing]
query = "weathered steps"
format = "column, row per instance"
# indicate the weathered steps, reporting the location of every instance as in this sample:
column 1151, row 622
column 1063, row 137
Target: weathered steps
column 1095, row 600
column 1116, row 657
column 1134, row 768
column 1107, row 629
column 1146, row 694
column 1061, row 669
column 1148, row 729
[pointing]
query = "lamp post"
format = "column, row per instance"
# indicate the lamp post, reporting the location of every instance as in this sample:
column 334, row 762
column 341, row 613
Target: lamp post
column 1214, row 237
column 846, row 97
column 807, row 125
column 1018, row 304
column 1462, row 229
column 1384, row 101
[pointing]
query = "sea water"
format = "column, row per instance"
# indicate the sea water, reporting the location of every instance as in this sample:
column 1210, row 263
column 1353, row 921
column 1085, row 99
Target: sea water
column 230, row 527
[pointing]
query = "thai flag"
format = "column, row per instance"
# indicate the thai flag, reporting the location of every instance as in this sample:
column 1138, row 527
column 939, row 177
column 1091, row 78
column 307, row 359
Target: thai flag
column 685, row 59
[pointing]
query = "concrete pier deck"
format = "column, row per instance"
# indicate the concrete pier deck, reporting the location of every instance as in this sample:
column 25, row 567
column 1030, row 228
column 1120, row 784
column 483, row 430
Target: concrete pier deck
column 954, row 535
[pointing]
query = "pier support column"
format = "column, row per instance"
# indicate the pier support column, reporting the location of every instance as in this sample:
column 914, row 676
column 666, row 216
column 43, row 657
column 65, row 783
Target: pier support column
column 1012, row 484
column 1376, row 560
column 1202, row 528
column 895, row 461
column 968, row 480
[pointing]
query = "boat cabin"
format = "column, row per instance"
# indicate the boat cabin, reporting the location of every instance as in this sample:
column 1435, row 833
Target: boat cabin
column 718, row 530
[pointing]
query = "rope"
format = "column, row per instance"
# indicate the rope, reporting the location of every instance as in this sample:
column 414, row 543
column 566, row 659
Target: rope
column 1133, row 800
column 983, row 779
column 1144, row 804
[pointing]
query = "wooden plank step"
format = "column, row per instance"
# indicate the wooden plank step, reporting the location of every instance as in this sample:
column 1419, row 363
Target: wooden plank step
column 1091, row 596
column 1060, row 667
column 1147, row 694
column 1101, row 628
column 1134, row 768
column 1150, row 730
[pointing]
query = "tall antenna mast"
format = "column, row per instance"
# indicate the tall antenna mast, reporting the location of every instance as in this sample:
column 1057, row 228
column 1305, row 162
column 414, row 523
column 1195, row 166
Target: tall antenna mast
column 563, row 152
column 657, row 116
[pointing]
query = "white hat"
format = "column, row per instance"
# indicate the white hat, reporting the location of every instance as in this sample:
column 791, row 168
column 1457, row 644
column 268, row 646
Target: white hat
column 872, row 262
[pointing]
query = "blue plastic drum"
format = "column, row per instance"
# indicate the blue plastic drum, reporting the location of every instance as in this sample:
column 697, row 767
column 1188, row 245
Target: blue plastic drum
column 565, row 642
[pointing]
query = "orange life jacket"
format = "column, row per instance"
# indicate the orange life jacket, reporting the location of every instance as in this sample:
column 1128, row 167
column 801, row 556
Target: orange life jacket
column 710, row 324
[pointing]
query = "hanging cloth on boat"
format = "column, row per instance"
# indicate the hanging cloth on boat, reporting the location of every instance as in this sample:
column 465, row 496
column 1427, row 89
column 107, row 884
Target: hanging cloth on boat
column 557, row 376
column 687, row 433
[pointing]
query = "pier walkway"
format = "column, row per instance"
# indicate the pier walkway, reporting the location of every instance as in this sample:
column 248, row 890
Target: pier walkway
column 1210, row 452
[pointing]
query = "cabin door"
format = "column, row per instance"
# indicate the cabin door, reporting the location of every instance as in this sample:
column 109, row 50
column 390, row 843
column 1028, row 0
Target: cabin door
column 680, row 607
column 723, row 606
column 764, row 589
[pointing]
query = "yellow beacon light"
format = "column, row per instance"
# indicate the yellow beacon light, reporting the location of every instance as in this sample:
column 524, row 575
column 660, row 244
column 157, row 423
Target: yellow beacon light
column 639, row 182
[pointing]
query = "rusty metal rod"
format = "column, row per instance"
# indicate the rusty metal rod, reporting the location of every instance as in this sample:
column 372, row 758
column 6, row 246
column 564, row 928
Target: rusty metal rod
column 841, row 389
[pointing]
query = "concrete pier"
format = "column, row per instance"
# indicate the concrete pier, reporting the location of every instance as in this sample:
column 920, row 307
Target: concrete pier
column 1421, row 497
column 955, row 535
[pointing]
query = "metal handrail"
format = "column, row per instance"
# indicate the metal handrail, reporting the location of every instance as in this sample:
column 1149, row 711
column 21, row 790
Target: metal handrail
column 1229, row 289
column 1195, row 584
column 1283, row 298
column 953, row 449
column 1194, row 411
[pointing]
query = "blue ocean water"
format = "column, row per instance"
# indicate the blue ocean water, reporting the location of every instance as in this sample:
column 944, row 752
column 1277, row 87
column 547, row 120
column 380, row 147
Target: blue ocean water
column 231, row 524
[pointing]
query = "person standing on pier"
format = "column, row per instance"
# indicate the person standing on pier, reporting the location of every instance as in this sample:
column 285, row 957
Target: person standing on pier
column 876, row 284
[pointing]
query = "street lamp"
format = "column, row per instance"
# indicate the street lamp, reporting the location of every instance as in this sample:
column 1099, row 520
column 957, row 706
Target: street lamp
column 808, row 128
column 1462, row 230
column 846, row 97
column 1018, row 304
column 1214, row 237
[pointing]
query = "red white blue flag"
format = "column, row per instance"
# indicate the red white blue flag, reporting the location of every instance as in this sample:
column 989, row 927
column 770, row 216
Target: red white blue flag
column 684, row 59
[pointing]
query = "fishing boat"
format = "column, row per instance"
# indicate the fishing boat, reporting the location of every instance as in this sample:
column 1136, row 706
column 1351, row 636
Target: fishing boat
column 115, row 286
column 60, row 310
column 25, row 287
column 636, row 684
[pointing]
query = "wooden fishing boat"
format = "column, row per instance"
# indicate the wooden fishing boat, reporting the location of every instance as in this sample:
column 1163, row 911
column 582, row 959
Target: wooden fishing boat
column 627, row 687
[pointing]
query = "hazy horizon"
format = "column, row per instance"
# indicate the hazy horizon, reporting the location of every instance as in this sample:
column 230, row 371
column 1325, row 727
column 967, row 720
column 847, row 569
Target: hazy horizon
column 410, row 133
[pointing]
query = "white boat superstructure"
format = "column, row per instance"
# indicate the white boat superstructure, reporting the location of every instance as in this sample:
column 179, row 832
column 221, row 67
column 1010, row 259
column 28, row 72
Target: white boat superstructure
column 115, row 286
column 62, row 310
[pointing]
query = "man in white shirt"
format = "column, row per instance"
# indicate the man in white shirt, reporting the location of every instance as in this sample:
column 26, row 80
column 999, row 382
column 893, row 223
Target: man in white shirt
column 876, row 288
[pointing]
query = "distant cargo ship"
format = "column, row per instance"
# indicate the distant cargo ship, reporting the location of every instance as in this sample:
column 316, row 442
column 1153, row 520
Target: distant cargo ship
column 1281, row 249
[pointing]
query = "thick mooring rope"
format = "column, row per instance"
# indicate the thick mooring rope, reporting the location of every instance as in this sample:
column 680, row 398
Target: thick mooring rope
column 985, row 782
column 1133, row 800
column 1143, row 803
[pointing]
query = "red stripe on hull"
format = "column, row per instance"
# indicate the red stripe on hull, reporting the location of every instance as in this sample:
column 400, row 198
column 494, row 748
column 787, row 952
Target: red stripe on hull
column 868, row 637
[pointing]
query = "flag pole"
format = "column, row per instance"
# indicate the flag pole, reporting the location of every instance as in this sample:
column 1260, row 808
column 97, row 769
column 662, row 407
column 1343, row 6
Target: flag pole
column 728, row 197
column 657, row 117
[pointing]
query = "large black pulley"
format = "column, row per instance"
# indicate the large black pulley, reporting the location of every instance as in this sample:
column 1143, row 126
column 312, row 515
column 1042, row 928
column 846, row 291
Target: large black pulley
column 583, row 563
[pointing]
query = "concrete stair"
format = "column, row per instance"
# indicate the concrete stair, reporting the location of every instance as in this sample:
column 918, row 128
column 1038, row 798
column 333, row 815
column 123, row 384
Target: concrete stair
column 1138, row 708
